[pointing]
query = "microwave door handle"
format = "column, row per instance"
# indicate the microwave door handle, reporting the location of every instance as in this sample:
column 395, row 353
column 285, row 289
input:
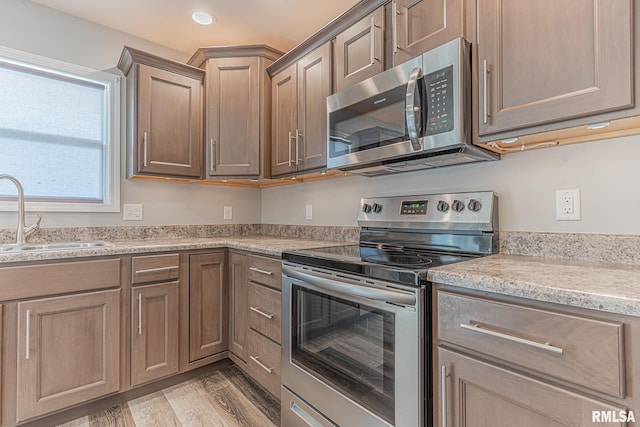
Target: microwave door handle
column 411, row 109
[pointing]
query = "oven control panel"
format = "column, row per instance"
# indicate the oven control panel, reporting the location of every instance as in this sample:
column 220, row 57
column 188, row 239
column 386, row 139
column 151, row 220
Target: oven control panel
column 464, row 211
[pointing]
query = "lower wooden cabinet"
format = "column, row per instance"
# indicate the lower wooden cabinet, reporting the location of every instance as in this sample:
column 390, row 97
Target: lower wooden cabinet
column 263, row 361
column 154, row 332
column 238, row 305
column 68, row 351
column 208, row 305
column 478, row 394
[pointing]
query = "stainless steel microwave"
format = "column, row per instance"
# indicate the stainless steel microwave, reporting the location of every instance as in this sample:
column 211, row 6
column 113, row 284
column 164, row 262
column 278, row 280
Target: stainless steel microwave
column 414, row 116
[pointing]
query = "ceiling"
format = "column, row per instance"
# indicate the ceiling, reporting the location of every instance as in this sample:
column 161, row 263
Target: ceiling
column 281, row 24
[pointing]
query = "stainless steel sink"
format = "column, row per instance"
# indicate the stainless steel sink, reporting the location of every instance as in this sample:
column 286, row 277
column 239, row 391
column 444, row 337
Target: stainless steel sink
column 58, row 246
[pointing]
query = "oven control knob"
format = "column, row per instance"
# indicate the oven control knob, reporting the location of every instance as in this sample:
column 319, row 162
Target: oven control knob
column 474, row 205
column 443, row 206
column 457, row 206
column 377, row 208
column 366, row 207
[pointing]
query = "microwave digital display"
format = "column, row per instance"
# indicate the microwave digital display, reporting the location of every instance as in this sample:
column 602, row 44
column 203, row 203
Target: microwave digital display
column 413, row 207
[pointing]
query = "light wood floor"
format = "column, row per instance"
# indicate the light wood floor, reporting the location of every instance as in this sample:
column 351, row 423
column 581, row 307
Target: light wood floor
column 223, row 398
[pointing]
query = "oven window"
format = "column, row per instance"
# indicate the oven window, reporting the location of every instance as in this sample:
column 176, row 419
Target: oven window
column 347, row 345
column 368, row 124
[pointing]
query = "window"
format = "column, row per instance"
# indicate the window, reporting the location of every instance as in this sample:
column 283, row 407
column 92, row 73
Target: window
column 59, row 134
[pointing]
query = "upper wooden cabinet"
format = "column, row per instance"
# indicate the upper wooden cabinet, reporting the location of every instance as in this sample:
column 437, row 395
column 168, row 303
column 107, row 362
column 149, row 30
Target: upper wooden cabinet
column 164, row 117
column 358, row 52
column 421, row 25
column 548, row 61
column 238, row 110
column 299, row 113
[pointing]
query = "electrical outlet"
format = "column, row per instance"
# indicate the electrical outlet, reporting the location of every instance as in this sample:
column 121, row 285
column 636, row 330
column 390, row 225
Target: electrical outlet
column 132, row 212
column 568, row 205
column 309, row 212
column 228, row 212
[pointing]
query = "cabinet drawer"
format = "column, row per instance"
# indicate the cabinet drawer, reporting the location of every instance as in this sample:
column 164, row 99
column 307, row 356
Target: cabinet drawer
column 581, row 350
column 263, row 363
column 267, row 271
column 155, row 268
column 264, row 311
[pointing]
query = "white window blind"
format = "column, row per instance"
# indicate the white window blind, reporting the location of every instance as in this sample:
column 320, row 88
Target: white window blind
column 59, row 134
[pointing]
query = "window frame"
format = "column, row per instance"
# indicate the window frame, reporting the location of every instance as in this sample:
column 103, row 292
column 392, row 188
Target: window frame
column 111, row 160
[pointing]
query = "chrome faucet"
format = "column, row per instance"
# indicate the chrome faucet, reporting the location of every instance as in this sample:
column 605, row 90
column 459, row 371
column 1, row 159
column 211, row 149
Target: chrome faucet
column 22, row 232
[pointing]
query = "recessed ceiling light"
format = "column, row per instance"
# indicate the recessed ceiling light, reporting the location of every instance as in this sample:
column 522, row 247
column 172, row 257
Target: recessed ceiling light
column 202, row 18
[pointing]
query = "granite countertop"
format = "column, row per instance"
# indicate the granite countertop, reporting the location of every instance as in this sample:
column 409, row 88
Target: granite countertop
column 267, row 245
column 609, row 287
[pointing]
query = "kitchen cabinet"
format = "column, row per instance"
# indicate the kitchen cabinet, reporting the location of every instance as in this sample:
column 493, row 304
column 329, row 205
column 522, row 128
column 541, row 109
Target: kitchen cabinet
column 421, row 25
column 164, row 117
column 478, row 394
column 238, row 304
column 299, row 113
column 238, row 110
column 507, row 361
column 358, row 52
column 264, row 313
column 68, row 351
column 208, row 305
column 154, row 331
column 546, row 62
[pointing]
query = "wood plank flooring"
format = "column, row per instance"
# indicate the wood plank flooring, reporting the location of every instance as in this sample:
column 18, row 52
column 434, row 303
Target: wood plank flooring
column 225, row 398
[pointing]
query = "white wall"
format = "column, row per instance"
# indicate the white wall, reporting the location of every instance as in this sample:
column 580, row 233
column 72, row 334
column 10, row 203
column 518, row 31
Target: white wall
column 42, row 31
column 606, row 172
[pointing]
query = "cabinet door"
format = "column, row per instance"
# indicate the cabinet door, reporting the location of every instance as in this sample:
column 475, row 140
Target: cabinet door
column 208, row 305
column 421, row 25
column 238, row 304
column 478, row 394
column 547, row 61
column 169, row 137
column 359, row 51
column 69, row 351
column 154, row 332
column 284, row 87
column 233, row 116
column 314, row 85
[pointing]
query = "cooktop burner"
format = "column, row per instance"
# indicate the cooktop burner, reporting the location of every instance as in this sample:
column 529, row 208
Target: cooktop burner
column 400, row 260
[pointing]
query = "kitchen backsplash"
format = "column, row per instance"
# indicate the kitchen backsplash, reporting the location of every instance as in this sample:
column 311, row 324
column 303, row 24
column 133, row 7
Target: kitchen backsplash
column 65, row 234
column 580, row 246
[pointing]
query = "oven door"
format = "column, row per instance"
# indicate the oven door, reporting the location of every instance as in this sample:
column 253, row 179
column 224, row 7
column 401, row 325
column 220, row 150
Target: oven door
column 352, row 349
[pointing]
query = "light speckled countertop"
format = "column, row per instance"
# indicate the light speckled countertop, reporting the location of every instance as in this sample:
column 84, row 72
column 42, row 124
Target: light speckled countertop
column 267, row 245
column 598, row 286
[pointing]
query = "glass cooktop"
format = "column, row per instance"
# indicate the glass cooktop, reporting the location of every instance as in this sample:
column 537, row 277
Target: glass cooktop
column 404, row 266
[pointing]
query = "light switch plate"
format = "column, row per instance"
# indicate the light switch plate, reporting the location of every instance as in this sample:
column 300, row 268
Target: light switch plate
column 132, row 212
column 228, row 212
column 309, row 212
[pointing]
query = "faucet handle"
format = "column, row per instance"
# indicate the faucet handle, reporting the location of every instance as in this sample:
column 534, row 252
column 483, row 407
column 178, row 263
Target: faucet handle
column 33, row 227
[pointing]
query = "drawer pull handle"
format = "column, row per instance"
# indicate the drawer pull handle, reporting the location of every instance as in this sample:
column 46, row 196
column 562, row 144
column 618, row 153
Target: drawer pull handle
column 255, row 359
column 261, row 313
column 257, row 270
column 140, row 313
column 542, row 346
column 304, row 416
column 157, row 270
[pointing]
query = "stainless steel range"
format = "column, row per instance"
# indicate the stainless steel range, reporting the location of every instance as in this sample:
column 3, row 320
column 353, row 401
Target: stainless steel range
column 356, row 320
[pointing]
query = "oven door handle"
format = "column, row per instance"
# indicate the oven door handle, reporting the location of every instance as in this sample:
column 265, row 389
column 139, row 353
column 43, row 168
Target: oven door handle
column 376, row 294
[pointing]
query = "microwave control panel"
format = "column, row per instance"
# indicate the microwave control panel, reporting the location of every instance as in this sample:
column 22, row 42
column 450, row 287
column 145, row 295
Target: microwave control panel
column 439, row 88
